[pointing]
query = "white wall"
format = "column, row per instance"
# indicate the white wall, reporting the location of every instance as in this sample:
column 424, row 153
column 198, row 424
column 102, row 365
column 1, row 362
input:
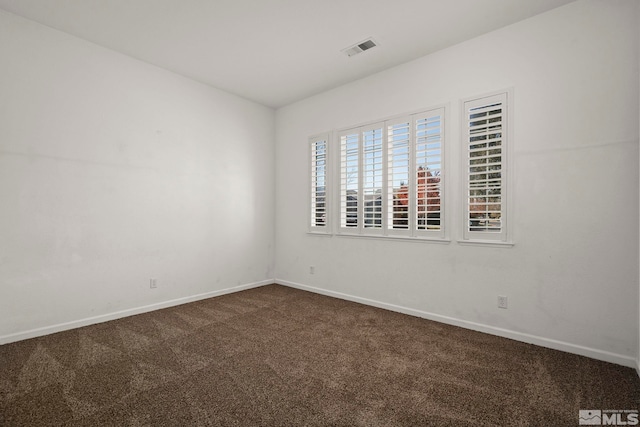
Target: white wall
column 572, row 276
column 113, row 171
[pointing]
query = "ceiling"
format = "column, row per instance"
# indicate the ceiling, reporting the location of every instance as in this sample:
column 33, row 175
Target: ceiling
column 276, row 52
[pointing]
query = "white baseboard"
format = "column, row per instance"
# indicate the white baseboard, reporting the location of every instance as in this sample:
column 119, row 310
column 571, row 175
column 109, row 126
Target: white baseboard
column 18, row 336
column 506, row 333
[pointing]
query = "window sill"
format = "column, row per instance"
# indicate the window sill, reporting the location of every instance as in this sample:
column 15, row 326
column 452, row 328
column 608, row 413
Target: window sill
column 488, row 243
column 320, row 233
column 396, row 238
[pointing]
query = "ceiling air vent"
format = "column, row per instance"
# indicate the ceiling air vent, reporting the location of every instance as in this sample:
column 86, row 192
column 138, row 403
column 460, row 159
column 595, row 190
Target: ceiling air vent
column 359, row 47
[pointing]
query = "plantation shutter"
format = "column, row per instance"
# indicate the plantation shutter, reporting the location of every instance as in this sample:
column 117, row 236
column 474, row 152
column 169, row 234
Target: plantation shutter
column 485, row 195
column 319, row 200
column 372, row 173
column 391, row 177
column 399, row 200
column 349, row 179
column 429, row 168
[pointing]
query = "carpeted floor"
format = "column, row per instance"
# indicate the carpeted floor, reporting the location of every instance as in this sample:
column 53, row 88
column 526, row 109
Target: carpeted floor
column 276, row 356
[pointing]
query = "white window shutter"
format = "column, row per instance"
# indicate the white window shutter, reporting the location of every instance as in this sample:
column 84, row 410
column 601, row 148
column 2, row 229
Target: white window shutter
column 372, row 177
column 349, row 180
column 429, row 173
column 486, row 133
column 399, row 152
column 319, row 218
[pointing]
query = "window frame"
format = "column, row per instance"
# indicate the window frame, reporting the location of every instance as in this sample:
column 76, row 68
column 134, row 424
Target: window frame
column 388, row 191
column 504, row 237
column 343, row 187
column 412, row 232
column 360, row 227
column 442, row 178
column 312, row 184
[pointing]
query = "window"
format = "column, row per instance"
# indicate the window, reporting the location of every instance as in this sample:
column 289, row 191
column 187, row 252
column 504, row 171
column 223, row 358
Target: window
column 319, row 220
column 428, row 168
column 485, row 138
column 349, row 179
column 361, row 179
column 398, row 172
column 372, row 177
column 391, row 177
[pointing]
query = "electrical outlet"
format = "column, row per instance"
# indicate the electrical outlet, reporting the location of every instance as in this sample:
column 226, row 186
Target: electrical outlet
column 153, row 283
column 312, row 270
column 502, row 301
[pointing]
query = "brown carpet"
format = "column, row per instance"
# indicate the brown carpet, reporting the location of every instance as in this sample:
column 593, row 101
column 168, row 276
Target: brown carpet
column 278, row 356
